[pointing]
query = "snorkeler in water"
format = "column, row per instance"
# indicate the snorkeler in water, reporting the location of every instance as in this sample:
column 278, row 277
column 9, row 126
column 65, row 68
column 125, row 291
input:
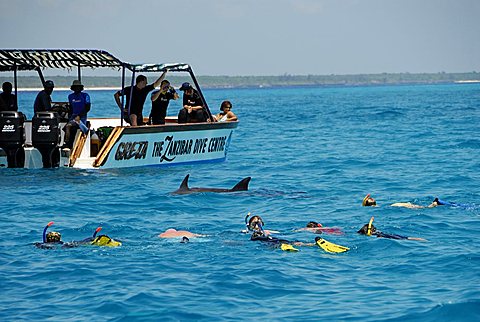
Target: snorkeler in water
column 53, row 240
column 317, row 228
column 368, row 201
column 259, row 235
column 254, row 223
column 370, row 230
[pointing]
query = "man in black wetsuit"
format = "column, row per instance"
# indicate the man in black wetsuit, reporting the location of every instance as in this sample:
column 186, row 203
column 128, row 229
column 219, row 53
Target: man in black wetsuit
column 43, row 101
column 192, row 110
column 160, row 100
column 9, row 100
column 134, row 112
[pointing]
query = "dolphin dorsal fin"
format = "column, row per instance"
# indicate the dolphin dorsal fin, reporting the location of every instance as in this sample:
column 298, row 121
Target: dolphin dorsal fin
column 242, row 185
column 184, row 185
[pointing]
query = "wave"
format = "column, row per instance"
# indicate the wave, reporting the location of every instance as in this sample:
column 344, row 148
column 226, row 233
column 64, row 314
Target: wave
column 465, row 311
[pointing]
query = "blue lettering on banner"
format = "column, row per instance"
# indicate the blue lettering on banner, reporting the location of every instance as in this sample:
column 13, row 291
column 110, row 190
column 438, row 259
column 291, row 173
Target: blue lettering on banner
column 170, row 148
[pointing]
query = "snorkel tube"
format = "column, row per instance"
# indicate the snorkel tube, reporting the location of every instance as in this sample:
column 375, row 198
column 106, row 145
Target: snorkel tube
column 369, row 229
column 364, row 202
column 45, row 231
column 96, row 232
column 246, row 221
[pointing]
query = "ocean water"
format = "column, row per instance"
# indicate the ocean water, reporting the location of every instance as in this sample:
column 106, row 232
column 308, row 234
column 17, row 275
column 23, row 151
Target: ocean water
column 313, row 154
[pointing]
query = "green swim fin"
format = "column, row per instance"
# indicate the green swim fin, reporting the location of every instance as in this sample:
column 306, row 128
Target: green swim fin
column 288, row 248
column 330, row 247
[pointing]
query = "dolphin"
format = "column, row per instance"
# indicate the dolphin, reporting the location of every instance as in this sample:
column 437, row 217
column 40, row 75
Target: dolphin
column 184, row 189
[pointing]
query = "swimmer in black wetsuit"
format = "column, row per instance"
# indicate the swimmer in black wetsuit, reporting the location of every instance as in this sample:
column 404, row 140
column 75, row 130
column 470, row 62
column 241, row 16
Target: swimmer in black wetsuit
column 370, row 230
column 54, row 239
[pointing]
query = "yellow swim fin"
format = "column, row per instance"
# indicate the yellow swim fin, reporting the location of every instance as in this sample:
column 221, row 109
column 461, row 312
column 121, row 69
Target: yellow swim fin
column 330, row 247
column 104, row 240
column 288, row 248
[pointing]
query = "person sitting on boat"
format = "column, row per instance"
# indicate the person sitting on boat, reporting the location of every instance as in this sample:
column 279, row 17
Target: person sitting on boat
column 80, row 106
column 9, row 100
column 134, row 112
column 160, row 101
column 226, row 115
column 368, row 201
column 192, row 110
column 370, row 230
column 43, row 101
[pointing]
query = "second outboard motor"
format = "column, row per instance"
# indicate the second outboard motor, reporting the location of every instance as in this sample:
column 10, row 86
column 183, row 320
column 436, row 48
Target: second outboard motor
column 12, row 137
column 46, row 137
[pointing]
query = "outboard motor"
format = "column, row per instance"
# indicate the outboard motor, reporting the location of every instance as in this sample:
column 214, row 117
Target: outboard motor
column 46, row 137
column 12, row 137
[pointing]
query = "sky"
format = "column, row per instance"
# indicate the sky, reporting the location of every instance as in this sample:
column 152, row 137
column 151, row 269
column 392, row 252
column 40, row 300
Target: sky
column 258, row 37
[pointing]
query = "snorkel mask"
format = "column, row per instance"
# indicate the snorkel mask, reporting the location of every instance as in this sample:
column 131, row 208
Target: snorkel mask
column 53, row 237
column 253, row 222
column 314, row 224
column 44, row 237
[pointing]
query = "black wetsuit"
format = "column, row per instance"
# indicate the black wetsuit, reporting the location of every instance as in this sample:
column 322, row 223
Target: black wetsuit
column 274, row 241
column 390, row 236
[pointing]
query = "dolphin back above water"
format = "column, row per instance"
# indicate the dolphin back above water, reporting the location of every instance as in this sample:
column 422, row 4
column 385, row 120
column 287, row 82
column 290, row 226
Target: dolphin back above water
column 184, row 189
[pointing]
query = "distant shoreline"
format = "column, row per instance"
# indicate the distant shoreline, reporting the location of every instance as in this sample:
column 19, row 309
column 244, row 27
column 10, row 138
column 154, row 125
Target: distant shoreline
column 37, row 89
column 32, row 83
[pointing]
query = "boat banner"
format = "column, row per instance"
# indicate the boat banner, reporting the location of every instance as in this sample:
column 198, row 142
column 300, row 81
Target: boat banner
column 165, row 148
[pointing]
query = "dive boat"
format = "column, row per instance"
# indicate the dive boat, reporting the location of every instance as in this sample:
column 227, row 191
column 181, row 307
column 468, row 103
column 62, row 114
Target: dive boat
column 37, row 143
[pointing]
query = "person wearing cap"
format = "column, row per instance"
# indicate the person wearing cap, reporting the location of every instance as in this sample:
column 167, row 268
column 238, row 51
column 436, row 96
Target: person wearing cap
column 134, row 111
column 192, row 110
column 80, row 105
column 160, row 101
column 9, row 100
column 226, row 115
column 43, row 101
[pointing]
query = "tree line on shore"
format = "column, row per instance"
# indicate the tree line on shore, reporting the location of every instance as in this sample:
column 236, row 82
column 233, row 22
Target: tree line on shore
column 262, row 81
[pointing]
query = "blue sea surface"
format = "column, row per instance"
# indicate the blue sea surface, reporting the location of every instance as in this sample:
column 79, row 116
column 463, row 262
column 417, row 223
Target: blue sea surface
column 313, row 154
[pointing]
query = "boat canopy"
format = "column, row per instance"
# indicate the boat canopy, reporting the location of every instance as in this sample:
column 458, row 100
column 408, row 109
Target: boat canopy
column 34, row 59
column 38, row 59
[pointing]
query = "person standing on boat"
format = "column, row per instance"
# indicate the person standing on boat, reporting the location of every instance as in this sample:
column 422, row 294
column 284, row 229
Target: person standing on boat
column 43, row 101
column 192, row 110
column 160, row 100
column 139, row 95
column 80, row 105
column 9, row 99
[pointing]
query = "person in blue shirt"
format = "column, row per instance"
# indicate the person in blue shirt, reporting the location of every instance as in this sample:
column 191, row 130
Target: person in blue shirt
column 80, row 105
